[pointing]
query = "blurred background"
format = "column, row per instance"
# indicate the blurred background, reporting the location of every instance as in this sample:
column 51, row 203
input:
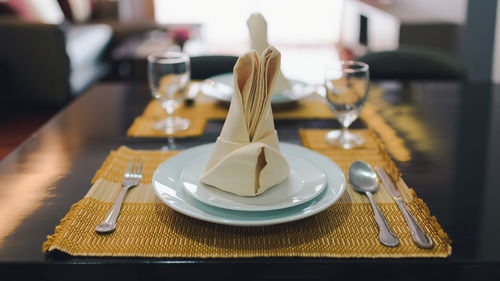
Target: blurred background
column 53, row 50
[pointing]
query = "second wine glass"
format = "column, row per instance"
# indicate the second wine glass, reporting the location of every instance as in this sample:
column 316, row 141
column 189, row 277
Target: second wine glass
column 169, row 74
column 346, row 85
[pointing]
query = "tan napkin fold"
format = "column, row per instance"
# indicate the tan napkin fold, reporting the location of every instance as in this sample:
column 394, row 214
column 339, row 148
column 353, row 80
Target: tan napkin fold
column 246, row 159
column 257, row 27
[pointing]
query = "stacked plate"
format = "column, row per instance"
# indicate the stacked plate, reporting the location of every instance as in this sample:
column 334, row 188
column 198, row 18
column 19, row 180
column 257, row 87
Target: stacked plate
column 220, row 87
column 314, row 184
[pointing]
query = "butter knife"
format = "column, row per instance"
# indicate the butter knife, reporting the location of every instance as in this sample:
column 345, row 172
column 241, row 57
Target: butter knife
column 191, row 92
column 418, row 234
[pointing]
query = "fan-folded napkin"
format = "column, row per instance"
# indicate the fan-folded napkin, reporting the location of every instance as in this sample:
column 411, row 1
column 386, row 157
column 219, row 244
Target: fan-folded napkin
column 246, row 159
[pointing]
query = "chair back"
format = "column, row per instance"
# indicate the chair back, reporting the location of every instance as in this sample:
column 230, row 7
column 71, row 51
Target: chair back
column 413, row 63
column 203, row 67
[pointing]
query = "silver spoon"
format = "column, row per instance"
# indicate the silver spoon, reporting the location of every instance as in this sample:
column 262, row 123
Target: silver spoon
column 363, row 179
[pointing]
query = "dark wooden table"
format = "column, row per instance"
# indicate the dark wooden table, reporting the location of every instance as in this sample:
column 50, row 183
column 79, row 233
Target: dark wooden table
column 452, row 130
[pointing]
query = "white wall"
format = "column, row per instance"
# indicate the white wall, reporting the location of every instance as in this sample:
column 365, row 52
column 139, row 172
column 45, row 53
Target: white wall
column 288, row 21
column 453, row 11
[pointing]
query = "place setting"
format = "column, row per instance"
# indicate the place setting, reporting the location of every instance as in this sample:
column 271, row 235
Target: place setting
column 286, row 92
column 250, row 188
column 230, row 178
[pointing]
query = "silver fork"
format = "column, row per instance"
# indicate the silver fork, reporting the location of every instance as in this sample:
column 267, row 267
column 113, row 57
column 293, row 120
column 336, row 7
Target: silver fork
column 132, row 178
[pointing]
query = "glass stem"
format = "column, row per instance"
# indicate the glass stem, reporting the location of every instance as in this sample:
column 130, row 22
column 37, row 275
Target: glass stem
column 169, row 106
column 171, row 143
column 343, row 132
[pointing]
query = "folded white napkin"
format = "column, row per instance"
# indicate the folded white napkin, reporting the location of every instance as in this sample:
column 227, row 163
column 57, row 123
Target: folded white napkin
column 246, row 159
column 257, row 27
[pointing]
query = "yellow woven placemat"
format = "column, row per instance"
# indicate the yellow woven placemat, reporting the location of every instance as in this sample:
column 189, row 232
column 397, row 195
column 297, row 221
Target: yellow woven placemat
column 312, row 107
column 143, row 125
column 148, row 228
column 205, row 108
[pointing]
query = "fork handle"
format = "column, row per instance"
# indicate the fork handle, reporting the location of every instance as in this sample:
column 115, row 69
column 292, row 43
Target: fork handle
column 109, row 222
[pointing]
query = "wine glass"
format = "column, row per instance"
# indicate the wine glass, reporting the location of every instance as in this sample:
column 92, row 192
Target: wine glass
column 346, row 85
column 168, row 75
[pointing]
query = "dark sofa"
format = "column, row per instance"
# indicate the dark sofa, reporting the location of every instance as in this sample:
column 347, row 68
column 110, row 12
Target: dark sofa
column 47, row 64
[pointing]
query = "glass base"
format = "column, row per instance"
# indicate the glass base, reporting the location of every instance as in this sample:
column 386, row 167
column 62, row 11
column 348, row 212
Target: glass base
column 171, row 125
column 344, row 139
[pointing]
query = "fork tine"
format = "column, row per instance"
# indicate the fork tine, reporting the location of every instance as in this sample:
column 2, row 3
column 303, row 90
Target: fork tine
column 127, row 172
column 135, row 168
column 140, row 168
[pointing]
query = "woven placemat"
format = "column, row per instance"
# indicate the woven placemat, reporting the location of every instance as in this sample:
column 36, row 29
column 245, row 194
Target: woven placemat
column 205, row 108
column 148, row 228
column 143, row 125
column 313, row 107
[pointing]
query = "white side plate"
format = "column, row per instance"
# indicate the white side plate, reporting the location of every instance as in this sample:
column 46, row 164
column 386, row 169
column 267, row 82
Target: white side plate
column 220, row 87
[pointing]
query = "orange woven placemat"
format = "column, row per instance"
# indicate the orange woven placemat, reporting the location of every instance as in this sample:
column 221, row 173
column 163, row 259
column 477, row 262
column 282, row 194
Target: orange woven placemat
column 148, row 228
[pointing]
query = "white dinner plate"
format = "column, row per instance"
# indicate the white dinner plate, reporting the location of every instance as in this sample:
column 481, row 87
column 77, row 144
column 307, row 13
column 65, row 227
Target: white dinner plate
column 305, row 182
column 220, row 87
column 167, row 185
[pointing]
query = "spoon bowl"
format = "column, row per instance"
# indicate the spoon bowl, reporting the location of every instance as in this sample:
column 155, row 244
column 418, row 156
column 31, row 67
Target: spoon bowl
column 362, row 177
column 364, row 180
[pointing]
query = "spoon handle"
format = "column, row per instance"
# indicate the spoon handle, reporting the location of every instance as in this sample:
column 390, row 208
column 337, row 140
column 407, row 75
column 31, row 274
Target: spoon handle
column 386, row 236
